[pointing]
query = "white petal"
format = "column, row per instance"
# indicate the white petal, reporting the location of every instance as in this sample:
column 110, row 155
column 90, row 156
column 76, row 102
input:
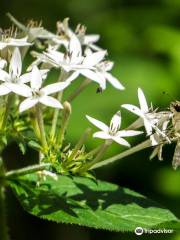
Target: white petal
column 121, row 141
column 142, row 101
column 72, row 77
column 36, row 79
column 108, row 65
column 148, row 127
column 115, row 123
column 20, row 89
column 114, row 81
column 55, row 87
column 102, row 135
column 92, row 59
column 154, row 139
column 75, row 47
column 93, row 76
column 133, row 109
column 98, row 123
column 50, row 102
column 44, row 73
column 4, row 90
column 19, row 42
column 55, row 56
column 128, row 133
column 28, row 103
column 25, row 78
column 91, row 38
column 15, row 66
column 4, row 76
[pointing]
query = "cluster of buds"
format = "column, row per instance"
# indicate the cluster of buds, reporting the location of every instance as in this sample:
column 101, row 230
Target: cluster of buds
column 73, row 54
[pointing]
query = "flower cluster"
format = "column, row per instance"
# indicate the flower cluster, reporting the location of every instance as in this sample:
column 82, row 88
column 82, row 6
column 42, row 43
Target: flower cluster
column 72, row 54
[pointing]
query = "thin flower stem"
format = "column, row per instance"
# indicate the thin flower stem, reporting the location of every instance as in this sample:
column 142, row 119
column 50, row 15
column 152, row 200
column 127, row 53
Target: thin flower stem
column 80, row 143
column 35, row 124
column 62, row 77
column 64, row 123
column 7, row 110
column 93, row 152
column 40, row 121
column 126, row 153
column 27, row 170
column 82, row 86
column 100, row 154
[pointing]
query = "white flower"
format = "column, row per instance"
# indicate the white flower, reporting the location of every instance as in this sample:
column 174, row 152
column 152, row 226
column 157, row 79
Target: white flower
column 112, row 132
column 150, row 119
column 13, row 81
column 13, row 42
column 37, row 94
column 65, row 33
column 68, row 61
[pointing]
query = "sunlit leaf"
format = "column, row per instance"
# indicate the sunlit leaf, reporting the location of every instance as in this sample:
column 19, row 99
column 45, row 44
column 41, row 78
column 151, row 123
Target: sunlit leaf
column 85, row 202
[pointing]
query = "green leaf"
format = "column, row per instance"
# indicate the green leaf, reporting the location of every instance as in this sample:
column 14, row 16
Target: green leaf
column 85, row 202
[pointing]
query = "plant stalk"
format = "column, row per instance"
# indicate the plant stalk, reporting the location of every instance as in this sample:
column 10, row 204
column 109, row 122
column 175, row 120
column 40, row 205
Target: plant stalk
column 81, row 87
column 7, row 110
column 40, row 121
column 99, row 155
column 62, row 76
column 26, row 170
column 126, row 153
column 64, row 122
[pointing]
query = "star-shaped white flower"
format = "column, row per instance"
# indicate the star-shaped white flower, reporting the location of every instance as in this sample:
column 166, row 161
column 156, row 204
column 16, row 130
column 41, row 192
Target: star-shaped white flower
column 112, row 132
column 69, row 60
column 38, row 94
column 150, row 119
column 13, row 81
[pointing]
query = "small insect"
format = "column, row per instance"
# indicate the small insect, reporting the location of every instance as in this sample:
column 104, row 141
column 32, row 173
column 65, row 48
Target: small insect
column 99, row 90
column 175, row 109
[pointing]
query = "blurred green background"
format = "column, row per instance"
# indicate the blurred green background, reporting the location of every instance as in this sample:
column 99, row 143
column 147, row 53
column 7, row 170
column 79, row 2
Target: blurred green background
column 143, row 38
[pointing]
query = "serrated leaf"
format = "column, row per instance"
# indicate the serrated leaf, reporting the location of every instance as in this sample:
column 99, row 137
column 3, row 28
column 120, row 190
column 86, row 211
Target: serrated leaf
column 84, row 202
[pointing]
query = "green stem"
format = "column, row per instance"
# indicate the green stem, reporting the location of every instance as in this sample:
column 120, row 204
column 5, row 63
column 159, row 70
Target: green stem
column 62, row 76
column 99, row 156
column 93, row 152
column 64, row 123
column 79, row 144
column 82, row 86
column 41, row 125
column 7, row 110
column 126, row 153
column 26, row 170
